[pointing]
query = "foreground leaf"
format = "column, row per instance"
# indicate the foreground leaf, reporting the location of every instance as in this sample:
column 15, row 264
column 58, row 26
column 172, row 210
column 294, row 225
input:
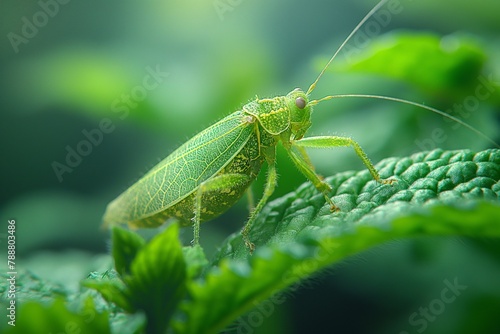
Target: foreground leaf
column 126, row 245
column 35, row 317
column 158, row 279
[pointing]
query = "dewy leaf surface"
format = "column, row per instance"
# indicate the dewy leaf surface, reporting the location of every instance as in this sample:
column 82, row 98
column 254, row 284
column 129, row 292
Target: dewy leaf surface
column 437, row 193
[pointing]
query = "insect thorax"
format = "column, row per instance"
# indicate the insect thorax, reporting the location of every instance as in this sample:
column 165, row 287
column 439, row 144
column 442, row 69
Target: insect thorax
column 272, row 114
column 282, row 115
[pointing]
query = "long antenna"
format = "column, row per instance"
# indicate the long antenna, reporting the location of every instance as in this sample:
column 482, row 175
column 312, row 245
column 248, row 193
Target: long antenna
column 370, row 13
column 395, row 99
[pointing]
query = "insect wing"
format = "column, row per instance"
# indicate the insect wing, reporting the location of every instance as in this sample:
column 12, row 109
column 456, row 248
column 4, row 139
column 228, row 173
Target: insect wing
column 179, row 174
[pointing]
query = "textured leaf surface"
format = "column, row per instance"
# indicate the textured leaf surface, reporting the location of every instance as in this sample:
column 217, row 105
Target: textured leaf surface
column 437, row 193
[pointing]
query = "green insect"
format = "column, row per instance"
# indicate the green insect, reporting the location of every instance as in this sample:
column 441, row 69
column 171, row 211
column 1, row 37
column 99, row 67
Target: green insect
column 210, row 172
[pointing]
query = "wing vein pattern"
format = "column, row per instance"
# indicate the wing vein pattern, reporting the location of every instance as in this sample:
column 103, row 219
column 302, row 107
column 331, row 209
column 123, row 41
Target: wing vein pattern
column 179, row 174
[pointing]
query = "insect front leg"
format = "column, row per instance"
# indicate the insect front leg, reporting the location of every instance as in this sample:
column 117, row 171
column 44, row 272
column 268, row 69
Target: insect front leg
column 302, row 161
column 218, row 186
column 335, row 141
column 305, row 156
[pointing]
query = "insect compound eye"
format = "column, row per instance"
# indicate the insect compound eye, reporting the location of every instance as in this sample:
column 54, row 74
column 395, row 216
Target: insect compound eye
column 300, row 102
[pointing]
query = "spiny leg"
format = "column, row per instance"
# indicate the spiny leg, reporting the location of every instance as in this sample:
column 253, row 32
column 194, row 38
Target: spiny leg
column 302, row 164
column 268, row 191
column 250, row 199
column 335, row 141
column 305, row 156
column 217, row 183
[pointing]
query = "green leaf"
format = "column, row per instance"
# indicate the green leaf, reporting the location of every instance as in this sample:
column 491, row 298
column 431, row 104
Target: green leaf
column 157, row 281
column 29, row 287
column 35, row 318
column 451, row 63
column 437, row 193
column 195, row 260
column 112, row 290
column 126, row 244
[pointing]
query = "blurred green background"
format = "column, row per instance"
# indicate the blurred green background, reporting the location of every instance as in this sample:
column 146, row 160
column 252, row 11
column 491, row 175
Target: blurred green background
column 89, row 62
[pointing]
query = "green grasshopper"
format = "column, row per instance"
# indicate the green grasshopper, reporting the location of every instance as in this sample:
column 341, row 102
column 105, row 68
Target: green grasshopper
column 210, row 172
